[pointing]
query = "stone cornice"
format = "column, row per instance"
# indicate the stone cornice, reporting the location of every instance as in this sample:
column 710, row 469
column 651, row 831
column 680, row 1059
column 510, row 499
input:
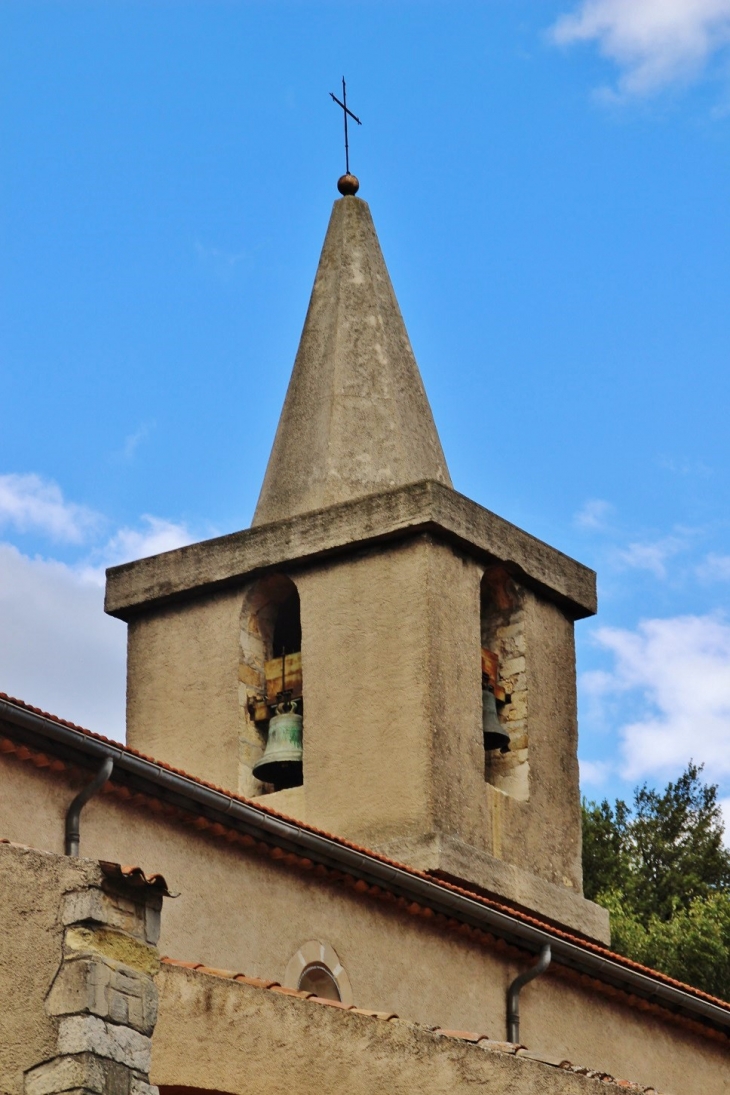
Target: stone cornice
column 425, row 507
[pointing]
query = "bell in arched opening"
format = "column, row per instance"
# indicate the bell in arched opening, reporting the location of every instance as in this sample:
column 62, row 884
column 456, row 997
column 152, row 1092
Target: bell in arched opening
column 495, row 736
column 281, row 764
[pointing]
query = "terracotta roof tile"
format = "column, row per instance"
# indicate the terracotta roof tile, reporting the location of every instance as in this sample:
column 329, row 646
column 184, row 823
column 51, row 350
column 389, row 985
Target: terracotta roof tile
column 257, row 982
column 384, row 1015
column 292, row 992
column 135, row 876
column 499, row 1047
column 457, row 1035
column 331, row 1003
column 228, row 974
column 23, row 752
column 463, row 1035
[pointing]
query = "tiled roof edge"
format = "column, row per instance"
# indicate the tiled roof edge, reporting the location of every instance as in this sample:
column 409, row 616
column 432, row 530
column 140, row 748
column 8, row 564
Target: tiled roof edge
column 472, row 1037
column 426, row 893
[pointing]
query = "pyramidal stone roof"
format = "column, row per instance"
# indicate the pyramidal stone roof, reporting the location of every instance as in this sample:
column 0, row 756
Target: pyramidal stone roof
column 356, row 418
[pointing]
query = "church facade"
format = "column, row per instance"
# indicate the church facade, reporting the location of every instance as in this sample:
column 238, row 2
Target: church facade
column 349, row 793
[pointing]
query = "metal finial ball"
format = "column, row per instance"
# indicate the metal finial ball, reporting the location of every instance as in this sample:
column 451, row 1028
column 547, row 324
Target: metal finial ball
column 348, row 184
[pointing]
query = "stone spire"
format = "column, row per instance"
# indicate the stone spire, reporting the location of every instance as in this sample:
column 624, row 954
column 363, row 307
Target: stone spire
column 356, row 418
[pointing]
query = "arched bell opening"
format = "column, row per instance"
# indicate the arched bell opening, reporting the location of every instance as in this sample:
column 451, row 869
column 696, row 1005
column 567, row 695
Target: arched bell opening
column 271, row 674
column 504, row 687
column 287, row 637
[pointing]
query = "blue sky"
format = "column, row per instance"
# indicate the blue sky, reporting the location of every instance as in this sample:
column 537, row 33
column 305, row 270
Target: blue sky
column 549, row 181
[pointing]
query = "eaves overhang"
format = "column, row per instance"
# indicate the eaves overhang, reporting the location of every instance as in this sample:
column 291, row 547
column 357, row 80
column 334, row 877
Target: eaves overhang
column 424, row 507
column 143, row 775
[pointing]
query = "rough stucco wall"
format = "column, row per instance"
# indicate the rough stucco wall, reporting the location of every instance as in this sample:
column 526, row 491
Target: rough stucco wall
column 241, row 912
column 543, row 835
column 552, row 849
column 356, row 417
column 182, row 676
column 393, row 742
column 392, row 731
column 583, row 1027
column 235, row 1038
column 30, row 953
column 365, row 663
column 453, row 687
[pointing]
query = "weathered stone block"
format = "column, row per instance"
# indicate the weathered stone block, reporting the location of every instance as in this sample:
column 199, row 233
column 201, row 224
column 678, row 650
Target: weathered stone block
column 249, row 675
column 118, row 1079
column 67, row 1074
column 517, row 708
column 512, row 666
column 80, row 985
column 92, row 985
column 152, row 922
column 90, row 1034
column 139, row 1086
column 117, row 947
column 96, row 907
column 119, row 1008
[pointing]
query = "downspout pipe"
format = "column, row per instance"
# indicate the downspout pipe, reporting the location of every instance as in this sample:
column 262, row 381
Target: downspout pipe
column 513, row 993
column 188, row 794
column 73, row 814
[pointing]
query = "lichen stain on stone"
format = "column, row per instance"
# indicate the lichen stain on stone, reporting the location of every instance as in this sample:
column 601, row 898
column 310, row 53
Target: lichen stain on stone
column 116, row 946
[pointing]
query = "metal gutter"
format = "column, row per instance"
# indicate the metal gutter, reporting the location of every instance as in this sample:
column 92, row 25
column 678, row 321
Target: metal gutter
column 147, row 776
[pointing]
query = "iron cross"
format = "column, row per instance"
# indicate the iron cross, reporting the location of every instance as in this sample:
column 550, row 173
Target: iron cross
column 345, row 110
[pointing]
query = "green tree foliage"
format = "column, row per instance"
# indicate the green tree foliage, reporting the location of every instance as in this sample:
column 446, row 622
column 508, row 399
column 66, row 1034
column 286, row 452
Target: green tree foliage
column 660, row 867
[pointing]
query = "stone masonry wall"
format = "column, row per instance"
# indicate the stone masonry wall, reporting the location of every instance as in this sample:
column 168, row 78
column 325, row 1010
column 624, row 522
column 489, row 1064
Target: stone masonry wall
column 103, row 999
column 503, row 632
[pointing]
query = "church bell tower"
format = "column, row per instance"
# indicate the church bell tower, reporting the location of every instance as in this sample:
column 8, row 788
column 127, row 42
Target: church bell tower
column 377, row 656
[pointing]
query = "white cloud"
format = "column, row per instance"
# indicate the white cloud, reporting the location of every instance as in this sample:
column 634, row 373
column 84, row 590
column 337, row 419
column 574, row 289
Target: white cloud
column 685, row 467
column 672, row 678
column 156, row 536
column 29, row 503
column 715, row 568
column 650, row 556
column 594, row 773
column 58, row 650
column 654, row 42
column 134, row 440
column 594, row 514
column 219, row 261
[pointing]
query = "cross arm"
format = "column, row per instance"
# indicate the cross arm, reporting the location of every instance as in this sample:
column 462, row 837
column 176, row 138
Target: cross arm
column 345, row 108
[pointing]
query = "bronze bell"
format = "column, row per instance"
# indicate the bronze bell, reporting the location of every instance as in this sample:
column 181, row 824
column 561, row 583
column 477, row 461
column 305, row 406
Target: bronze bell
column 281, row 763
column 495, row 736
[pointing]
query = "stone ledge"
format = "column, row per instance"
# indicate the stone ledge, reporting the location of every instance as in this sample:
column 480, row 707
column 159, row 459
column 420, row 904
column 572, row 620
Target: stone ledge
column 461, row 863
column 420, row 507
